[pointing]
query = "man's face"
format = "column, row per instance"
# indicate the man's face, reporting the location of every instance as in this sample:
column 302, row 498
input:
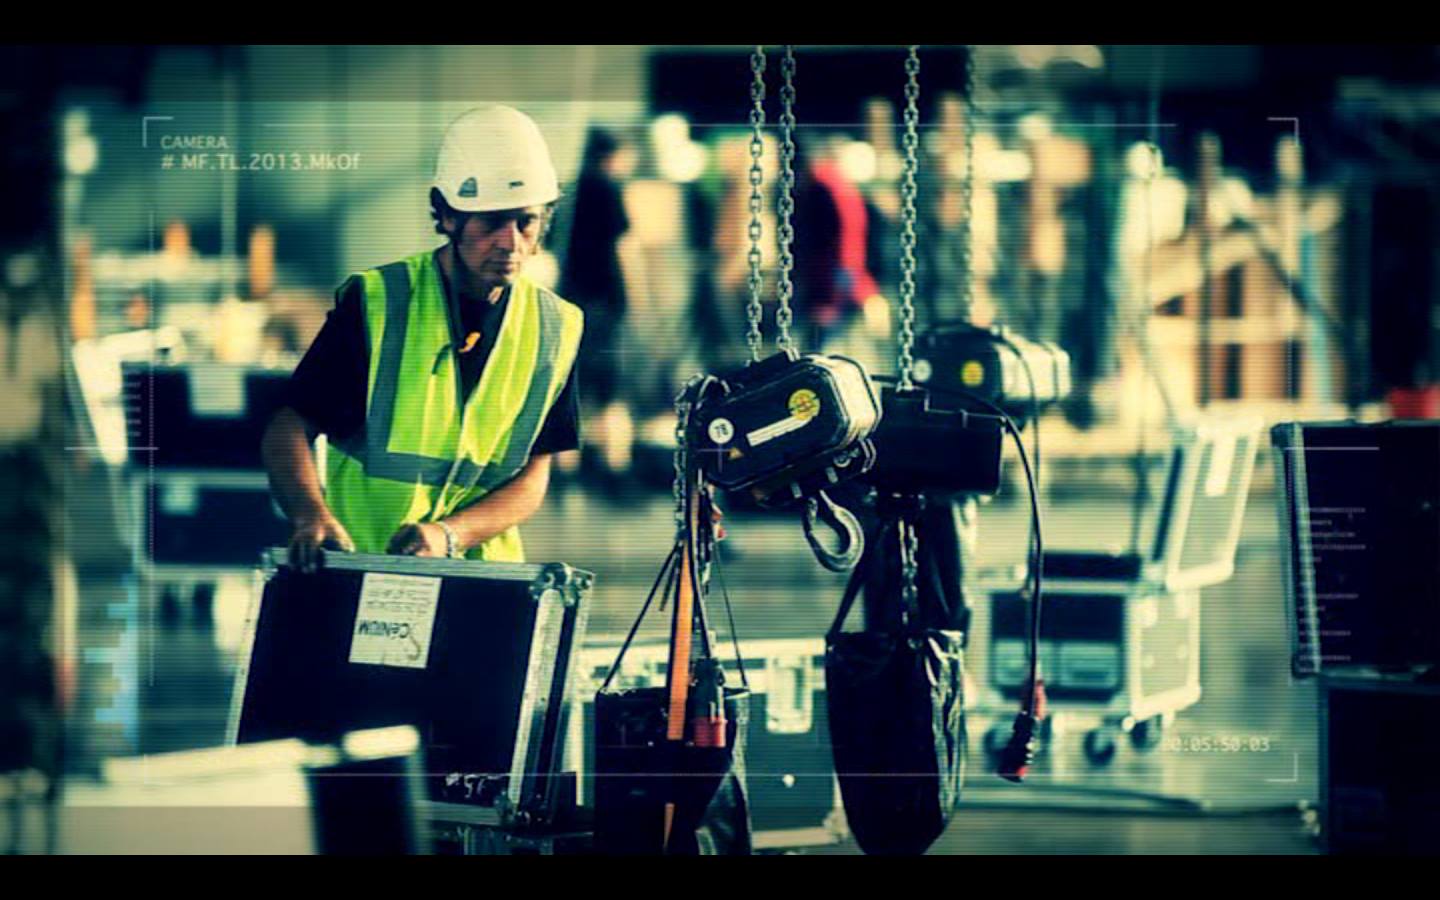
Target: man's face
column 496, row 245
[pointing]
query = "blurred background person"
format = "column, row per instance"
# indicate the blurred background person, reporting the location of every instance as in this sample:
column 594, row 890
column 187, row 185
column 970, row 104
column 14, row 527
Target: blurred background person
column 593, row 276
column 838, row 304
column 722, row 293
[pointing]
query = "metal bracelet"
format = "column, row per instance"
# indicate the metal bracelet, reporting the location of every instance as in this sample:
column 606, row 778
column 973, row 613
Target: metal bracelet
column 452, row 543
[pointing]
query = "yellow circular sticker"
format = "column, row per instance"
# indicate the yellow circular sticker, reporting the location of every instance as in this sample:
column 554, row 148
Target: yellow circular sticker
column 804, row 405
column 972, row 373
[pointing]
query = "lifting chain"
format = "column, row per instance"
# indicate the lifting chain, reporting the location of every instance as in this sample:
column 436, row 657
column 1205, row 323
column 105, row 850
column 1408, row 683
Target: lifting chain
column 967, row 190
column 785, row 288
column 909, row 571
column 909, row 542
column 907, row 235
column 684, row 402
column 753, row 310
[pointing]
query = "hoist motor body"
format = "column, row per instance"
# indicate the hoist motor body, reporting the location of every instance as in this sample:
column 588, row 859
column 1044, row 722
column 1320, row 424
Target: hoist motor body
column 994, row 364
column 925, row 447
column 786, row 427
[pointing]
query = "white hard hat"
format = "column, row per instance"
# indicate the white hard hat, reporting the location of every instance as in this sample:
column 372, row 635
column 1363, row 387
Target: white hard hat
column 494, row 157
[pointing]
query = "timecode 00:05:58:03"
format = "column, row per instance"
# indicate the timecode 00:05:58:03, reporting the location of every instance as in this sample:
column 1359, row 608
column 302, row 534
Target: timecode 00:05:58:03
column 1216, row 743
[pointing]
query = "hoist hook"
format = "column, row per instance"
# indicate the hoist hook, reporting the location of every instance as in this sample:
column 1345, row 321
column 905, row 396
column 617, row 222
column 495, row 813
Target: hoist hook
column 844, row 523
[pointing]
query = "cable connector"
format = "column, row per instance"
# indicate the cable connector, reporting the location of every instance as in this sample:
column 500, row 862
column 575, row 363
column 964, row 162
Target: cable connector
column 1019, row 754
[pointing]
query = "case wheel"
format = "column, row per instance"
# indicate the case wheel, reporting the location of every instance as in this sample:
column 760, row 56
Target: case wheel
column 1146, row 734
column 1100, row 746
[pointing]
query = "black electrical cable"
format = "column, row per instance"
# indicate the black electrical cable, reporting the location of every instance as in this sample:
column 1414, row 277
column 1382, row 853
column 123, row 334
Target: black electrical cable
column 1037, row 543
column 1034, row 406
column 692, row 539
column 730, row 615
column 1037, row 568
column 665, row 568
column 1034, row 400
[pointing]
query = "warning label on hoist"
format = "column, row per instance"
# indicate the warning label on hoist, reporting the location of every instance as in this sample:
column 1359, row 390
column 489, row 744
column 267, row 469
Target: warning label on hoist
column 804, row 404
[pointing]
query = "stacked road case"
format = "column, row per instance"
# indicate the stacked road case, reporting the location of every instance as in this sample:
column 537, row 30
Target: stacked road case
column 1120, row 634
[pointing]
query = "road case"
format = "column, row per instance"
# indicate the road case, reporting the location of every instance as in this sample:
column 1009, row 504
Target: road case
column 1120, row 634
column 1380, row 791
column 201, row 415
column 199, row 520
column 477, row 656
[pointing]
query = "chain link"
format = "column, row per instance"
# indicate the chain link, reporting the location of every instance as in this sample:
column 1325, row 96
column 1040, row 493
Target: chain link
column 907, row 235
column 967, row 190
column 909, row 567
column 683, row 404
column 785, row 288
column 753, row 310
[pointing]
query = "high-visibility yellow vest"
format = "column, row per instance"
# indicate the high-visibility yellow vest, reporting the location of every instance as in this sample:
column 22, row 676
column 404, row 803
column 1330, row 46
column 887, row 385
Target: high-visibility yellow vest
column 421, row 456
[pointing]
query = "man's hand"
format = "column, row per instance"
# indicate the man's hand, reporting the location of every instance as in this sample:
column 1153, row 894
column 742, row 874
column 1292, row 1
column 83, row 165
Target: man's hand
column 311, row 534
column 423, row 539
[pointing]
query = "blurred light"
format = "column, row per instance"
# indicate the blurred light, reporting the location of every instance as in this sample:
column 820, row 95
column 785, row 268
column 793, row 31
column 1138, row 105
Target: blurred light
column 1038, row 56
column 76, row 122
column 1033, row 56
column 1144, row 160
column 858, row 161
column 685, row 163
column 1232, row 199
column 400, row 740
column 1034, row 126
column 1003, row 165
column 22, row 270
column 81, row 154
column 669, row 130
column 676, row 156
column 890, row 165
column 1087, row 55
column 81, row 151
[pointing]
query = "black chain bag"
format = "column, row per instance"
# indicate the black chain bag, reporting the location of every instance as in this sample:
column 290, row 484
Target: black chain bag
column 897, row 725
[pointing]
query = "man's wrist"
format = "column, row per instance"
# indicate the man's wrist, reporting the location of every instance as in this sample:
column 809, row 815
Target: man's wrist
column 452, row 541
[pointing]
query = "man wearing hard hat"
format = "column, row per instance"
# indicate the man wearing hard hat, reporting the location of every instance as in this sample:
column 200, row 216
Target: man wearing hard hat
column 444, row 381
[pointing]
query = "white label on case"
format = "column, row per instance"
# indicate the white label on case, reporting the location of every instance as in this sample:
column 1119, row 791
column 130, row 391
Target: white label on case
column 395, row 620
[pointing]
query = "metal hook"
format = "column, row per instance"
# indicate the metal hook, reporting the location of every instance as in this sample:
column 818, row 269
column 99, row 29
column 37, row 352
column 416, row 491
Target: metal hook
column 844, row 523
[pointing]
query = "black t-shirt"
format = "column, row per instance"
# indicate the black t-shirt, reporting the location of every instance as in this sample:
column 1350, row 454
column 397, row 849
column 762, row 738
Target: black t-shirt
column 328, row 388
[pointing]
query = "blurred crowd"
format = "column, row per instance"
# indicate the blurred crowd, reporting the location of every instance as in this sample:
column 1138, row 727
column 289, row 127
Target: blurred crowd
column 662, row 267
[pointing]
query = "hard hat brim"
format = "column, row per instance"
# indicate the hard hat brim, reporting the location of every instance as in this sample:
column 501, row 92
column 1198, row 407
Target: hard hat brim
column 538, row 196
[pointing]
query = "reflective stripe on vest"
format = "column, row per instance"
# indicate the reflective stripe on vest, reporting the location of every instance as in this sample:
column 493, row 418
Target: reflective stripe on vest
column 422, row 456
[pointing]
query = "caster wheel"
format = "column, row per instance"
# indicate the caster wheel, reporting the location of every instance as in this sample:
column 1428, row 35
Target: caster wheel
column 203, row 605
column 1100, row 747
column 169, row 613
column 1146, row 735
column 995, row 740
